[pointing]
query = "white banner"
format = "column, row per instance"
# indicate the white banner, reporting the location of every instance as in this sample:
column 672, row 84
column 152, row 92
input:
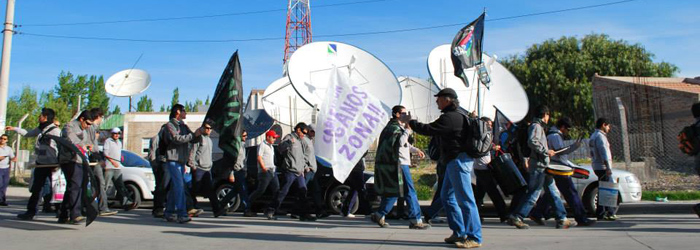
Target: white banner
column 349, row 121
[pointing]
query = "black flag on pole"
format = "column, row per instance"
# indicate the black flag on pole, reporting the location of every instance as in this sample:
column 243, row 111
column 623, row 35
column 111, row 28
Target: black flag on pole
column 503, row 130
column 226, row 108
column 467, row 46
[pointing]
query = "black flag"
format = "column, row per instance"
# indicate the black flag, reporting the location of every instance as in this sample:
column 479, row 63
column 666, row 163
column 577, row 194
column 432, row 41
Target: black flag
column 503, row 130
column 226, row 107
column 466, row 47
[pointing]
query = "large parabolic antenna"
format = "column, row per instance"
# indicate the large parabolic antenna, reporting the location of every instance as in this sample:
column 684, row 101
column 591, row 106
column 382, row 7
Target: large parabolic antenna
column 310, row 67
column 418, row 98
column 127, row 83
column 282, row 102
column 256, row 122
column 505, row 92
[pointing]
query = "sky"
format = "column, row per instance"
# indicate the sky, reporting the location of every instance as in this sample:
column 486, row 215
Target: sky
column 669, row 29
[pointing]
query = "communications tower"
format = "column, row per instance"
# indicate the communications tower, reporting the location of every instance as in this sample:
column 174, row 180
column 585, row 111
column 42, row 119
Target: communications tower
column 298, row 31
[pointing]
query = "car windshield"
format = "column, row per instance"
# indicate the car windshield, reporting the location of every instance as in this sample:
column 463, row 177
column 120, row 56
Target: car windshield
column 130, row 159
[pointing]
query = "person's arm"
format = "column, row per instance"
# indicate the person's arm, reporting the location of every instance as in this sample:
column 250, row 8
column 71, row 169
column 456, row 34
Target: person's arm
column 441, row 126
column 535, row 145
column 25, row 133
column 107, row 147
column 177, row 138
column 261, row 152
column 193, row 160
column 604, row 153
column 262, row 163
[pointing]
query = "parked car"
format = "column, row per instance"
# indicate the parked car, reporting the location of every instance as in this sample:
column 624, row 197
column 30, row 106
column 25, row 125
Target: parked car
column 333, row 191
column 138, row 178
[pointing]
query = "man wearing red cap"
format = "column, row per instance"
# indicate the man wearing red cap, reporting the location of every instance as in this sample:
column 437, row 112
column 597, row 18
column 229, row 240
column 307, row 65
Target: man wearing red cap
column 266, row 167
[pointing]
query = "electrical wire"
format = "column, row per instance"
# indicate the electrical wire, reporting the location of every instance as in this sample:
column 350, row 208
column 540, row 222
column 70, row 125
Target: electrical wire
column 192, row 17
column 317, row 36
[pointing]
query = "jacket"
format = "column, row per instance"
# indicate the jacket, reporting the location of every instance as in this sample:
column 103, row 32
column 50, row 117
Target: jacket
column 178, row 138
column 388, row 179
column 537, row 142
column 309, row 154
column 600, row 150
column 76, row 135
column 293, row 153
column 448, row 127
column 200, row 155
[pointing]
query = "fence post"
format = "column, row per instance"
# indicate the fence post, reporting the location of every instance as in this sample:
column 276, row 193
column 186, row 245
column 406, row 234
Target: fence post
column 625, row 134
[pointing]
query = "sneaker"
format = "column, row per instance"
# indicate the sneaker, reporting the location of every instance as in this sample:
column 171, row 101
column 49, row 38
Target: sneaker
column 467, row 244
column 379, row 220
column 62, row 220
column 538, row 221
column 3, row 204
column 108, row 213
column 129, row 206
column 565, row 224
column 322, row 215
column 610, row 218
column 349, row 216
column 270, row 215
column 219, row 212
column 293, row 216
column 307, row 217
column 183, row 220
column 518, row 223
column 419, row 226
column 195, row 212
column 453, row 239
column 77, row 220
column 696, row 209
column 250, row 214
column 48, row 210
column 158, row 213
column 171, row 218
column 25, row 216
column 586, row 223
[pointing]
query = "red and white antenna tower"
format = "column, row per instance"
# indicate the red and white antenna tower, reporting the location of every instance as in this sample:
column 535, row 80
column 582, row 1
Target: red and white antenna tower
column 298, row 32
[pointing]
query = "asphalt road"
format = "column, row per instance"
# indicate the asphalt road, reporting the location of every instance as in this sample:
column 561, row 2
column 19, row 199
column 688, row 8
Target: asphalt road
column 642, row 226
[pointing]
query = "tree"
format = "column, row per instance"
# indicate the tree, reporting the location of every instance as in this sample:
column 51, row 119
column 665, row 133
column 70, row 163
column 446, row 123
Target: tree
column 145, row 104
column 207, row 102
column 176, row 97
column 163, row 108
column 97, row 95
column 19, row 105
column 117, row 110
column 558, row 73
column 70, row 90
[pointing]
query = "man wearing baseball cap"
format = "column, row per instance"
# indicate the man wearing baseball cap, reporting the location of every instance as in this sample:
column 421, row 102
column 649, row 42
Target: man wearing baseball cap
column 113, row 154
column 266, row 167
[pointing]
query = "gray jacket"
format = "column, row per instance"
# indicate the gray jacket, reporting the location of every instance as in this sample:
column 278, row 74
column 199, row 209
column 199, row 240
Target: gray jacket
column 294, row 159
column 200, row 155
column 309, row 154
column 537, row 141
column 555, row 141
column 77, row 136
column 240, row 160
column 600, row 150
column 179, row 137
column 45, row 153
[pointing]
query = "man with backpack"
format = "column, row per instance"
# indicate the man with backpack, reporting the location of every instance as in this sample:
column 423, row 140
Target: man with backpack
column 456, row 193
column 46, row 154
column 176, row 141
column 485, row 182
column 392, row 174
column 538, row 162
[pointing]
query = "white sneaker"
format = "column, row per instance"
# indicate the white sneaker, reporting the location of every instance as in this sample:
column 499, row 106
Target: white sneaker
column 350, row 216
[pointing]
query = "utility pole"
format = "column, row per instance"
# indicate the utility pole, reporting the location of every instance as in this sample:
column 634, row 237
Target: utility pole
column 5, row 66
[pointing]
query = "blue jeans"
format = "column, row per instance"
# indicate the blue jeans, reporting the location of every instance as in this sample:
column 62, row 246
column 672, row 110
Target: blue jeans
column 568, row 190
column 176, row 194
column 4, row 182
column 436, row 205
column 458, row 198
column 540, row 180
column 387, row 203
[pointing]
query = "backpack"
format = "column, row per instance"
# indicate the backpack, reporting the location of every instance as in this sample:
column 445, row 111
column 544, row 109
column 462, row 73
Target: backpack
column 45, row 154
column 163, row 141
column 477, row 137
column 689, row 140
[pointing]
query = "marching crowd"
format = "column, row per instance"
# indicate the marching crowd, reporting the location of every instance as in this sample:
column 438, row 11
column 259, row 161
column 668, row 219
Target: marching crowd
column 178, row 154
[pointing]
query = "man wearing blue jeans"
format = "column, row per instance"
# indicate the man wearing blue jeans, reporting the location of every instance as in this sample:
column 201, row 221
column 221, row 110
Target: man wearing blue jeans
column 176, row 141
column 391, row 168
column 456, row 193
column 538, row 162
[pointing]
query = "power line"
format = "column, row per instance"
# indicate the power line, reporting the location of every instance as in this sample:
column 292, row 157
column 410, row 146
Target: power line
column 193, row 17
column 323, row 36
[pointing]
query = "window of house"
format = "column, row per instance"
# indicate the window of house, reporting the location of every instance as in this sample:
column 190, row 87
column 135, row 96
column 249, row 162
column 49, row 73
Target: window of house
column 145, row 144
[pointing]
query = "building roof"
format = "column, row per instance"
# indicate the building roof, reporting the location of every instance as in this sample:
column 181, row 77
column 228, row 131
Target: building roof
column 688, row 85
column 112, row 121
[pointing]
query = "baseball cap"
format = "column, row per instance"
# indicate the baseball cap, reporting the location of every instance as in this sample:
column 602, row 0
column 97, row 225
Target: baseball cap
column 272, row 133
column 116, row 131
column 447, row 92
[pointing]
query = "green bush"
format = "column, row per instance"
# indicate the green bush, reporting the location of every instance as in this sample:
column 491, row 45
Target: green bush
column 672, row 195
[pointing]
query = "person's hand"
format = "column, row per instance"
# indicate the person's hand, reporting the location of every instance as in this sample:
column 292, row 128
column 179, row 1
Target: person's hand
column 9, row 128
column 405, row 118
column 608, row 172
column 306, row 170
column 496, row 147
column 264, row 170
column 421, row 154
column 551, row 153
column 187, row 170
column 14, row 159
column 198, row 132
column 231, row 178
column 291, row 139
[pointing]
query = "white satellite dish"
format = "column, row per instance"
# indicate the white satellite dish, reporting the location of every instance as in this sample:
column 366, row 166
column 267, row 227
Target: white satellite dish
column 505, row 92
column 128, row 82
column 282, row 102
column 310, row 66
column 418, row 98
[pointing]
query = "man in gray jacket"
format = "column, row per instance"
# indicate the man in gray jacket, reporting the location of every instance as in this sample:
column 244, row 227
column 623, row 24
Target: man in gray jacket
column 176, row 142
column 76, row 132
column 46, row 154
column 601, row 161
column 539, row 161
column 293, row 173
column 200, row 162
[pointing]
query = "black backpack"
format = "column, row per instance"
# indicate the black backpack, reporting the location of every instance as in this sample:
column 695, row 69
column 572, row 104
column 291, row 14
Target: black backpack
column 163, row 141
column 477, row 137
column 689, row 140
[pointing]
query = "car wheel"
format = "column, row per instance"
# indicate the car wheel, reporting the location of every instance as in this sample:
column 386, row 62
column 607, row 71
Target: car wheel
column 222, row 191
column 134, row 194
column 337, row 195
